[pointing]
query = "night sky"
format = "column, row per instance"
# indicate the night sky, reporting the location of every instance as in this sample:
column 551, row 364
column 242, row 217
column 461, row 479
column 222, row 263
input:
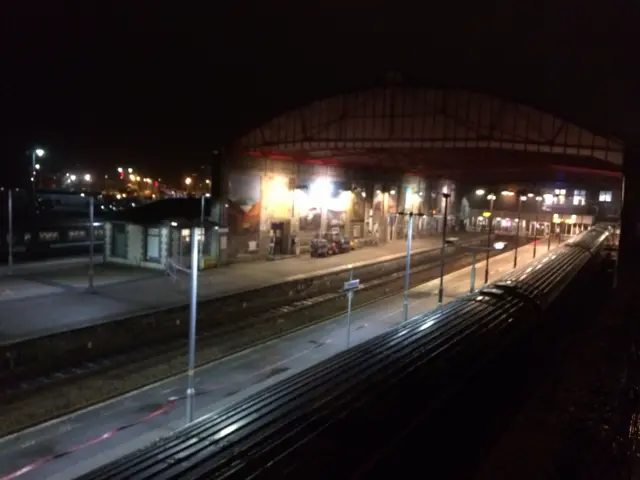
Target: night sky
column 160, row 85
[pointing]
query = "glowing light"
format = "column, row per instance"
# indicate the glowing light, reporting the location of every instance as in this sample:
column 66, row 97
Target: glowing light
column 188, row 180
column 480, row 192
column 39, row 152
column 130, row 170
column 37, row 166
column 73, row 178
column 499, row 245
column 319, row 192
column 87, row 178
column 119, row 169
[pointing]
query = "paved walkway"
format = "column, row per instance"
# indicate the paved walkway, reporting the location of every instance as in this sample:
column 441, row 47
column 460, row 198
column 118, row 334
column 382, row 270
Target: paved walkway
column 41, row 303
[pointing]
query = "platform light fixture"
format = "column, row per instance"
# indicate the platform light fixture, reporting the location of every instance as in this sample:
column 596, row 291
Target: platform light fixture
column 479, row 192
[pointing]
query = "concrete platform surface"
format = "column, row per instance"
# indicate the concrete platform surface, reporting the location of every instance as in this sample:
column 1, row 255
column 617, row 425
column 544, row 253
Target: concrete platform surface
column 43, row 302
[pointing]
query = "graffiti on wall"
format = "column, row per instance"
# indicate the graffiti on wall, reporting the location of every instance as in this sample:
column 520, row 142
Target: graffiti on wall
column 358, row 211
column 311, row 220
column 244, row 203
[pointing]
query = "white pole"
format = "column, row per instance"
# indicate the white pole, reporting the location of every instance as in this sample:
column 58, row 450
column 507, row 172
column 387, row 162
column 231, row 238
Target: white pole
column 407, row 269
column 10, row 233
column 91, row 241
column 204, row 236
column 349, row 302
column 192, row 324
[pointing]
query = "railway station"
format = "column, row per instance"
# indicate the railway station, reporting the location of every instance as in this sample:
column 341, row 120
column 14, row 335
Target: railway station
column 354, row 164
column 380, row 358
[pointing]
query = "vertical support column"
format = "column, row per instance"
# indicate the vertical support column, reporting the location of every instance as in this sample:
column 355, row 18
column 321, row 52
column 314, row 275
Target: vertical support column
column 369, row 191
column 384, row 218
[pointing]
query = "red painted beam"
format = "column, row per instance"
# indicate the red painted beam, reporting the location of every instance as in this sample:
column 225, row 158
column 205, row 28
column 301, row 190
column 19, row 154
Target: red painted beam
column 588, row 171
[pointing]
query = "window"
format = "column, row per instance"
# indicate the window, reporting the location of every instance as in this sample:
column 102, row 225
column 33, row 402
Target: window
column 579, row 197
column 559, row 196
column 605, row 196
column 119, row 240
column 153, row 245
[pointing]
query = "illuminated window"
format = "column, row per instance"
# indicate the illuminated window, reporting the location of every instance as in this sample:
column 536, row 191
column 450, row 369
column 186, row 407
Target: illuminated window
column 579, row 197
column 559, row 196
column 605, row 196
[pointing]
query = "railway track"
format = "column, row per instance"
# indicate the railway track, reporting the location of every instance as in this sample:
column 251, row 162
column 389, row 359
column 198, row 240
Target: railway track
column 237, row 333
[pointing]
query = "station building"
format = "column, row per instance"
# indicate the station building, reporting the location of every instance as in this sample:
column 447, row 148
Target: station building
column 354, row 166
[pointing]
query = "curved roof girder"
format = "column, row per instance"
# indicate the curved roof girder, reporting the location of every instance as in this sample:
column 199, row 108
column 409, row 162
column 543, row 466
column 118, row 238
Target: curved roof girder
column 419, row 118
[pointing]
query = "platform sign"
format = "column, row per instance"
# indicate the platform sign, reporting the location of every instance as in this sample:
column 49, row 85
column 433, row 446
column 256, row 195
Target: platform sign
column 351, row 285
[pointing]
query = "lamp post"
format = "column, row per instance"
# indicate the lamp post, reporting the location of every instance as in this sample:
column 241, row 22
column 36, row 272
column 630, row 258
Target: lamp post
column 191, row 391
column 10, row 229
column 91, row 241
column 407, row 267
column 521, row 198
column 35, row 153
column 491, row 197
column 446, row 197
column 535, row 227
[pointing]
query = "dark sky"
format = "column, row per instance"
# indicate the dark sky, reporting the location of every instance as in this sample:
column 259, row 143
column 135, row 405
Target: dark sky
column 160, row 84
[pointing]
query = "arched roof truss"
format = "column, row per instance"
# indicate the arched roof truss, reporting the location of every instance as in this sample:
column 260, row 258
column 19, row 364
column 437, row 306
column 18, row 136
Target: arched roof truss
column 413, row 118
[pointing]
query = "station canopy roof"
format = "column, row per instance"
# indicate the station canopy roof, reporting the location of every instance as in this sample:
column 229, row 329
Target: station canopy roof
column 432, row 131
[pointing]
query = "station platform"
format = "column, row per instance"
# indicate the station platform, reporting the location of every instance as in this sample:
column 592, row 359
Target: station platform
column 41, row 302
column 218, row 384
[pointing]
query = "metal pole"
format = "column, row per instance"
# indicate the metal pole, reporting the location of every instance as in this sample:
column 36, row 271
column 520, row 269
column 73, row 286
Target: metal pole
column 472, row 287
column 33, row 171
column 444, row 241
column 10, row 233
column 515, row 255
column 202, row 206
column 349, row 302
column 535, row 229
column 192, row 325
column 91, row 241
column 407, row 269
column 490, row 222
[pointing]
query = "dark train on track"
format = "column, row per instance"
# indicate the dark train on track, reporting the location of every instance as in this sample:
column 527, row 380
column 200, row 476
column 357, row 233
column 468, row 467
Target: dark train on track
column 332, row 419
column 48, row 224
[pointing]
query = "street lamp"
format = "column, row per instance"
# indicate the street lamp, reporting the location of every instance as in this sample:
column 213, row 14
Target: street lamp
column 535, row 227
column 491, row 197
column 36, row 152
column 446, row 197
column 407, row 269
column 521, row 198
